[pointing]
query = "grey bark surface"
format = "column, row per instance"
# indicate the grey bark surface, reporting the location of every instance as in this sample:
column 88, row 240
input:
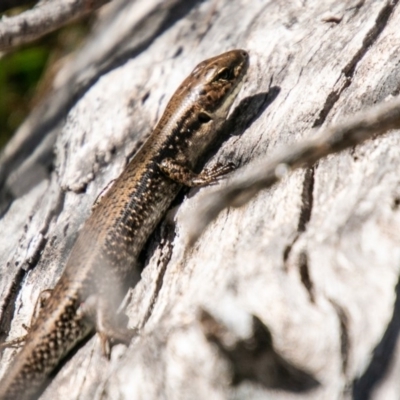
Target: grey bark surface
column 295, row 294
column 45, row 17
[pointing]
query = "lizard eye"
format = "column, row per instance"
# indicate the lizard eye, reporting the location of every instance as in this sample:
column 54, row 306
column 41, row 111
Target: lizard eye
column 224, row 74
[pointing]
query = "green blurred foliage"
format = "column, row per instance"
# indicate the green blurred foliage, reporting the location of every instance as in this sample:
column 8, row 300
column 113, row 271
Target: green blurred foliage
column 19, row 75
column 26, row 73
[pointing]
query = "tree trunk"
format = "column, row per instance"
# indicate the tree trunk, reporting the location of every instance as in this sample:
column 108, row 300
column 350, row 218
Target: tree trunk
column 294, row 295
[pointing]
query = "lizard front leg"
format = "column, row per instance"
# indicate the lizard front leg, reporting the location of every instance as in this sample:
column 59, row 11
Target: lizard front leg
column 185, row 176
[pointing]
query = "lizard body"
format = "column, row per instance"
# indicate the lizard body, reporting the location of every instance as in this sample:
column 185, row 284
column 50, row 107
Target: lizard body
column 103, row 257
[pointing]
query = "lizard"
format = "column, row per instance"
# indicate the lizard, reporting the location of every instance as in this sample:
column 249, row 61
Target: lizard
column 103, row 258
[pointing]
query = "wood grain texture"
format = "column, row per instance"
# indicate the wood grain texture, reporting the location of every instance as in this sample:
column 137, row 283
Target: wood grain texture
column 42, row 19
column 315, row 259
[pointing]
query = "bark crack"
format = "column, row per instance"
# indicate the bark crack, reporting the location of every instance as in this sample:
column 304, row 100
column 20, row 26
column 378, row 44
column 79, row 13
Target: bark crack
column 306, row 199
column 348, row 71
column 304, row 218
column 167, row 235
column 344, row 334
column 305, row 275
column 31, row 261
column 8, row 309
column 382, row 356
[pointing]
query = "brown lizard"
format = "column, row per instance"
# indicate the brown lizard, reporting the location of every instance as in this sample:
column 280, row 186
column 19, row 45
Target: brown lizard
column 93, row 283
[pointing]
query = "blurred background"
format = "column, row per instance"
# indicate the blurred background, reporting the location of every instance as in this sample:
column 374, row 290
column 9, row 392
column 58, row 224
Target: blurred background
column 26, row 72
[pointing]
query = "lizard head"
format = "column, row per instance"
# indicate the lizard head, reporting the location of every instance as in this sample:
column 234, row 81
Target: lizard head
column 201, row 104
column 215, row 82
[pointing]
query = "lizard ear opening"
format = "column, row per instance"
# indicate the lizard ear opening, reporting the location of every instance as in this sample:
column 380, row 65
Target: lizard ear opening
column 204, row 117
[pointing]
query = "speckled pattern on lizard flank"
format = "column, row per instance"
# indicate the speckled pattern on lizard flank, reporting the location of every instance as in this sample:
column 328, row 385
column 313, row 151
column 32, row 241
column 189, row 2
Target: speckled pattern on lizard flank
column 102, row 260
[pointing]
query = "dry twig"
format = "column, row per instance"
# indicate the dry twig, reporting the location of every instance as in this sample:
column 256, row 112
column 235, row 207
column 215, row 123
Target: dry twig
column 261, row 174
column 42, row 19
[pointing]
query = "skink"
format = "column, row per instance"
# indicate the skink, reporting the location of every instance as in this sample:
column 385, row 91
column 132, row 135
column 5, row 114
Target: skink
column 102, row 260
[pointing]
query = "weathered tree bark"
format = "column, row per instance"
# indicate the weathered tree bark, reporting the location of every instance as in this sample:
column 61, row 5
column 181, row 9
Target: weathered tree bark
column 295, row 294
column 44, row 18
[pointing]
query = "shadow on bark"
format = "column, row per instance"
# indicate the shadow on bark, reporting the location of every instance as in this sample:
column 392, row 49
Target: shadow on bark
column 255, row 359
column 243, row 116
column 382, row 356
